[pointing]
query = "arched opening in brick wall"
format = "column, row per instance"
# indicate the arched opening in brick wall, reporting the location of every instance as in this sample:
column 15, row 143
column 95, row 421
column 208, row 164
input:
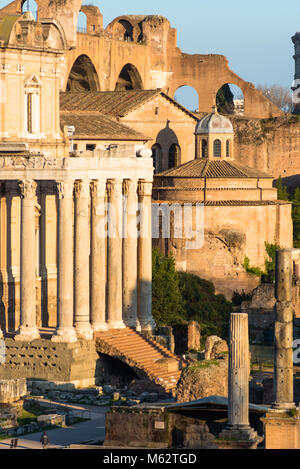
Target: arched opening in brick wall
column 83, row 76
column 188, row 97
column 30, row 5
column 81, row 22
column 129, row 79
column 230, row 100
column 124, row 30
column 157, row 158
column 170, row 151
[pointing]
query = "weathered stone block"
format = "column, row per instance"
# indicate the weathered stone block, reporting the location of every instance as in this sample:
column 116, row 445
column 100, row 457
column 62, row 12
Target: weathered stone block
column 168, row 364
column 283, row 335
column 12, row 390
column 284, row 312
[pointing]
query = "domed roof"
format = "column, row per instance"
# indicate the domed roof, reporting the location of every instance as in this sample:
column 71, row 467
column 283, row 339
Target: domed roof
column 214, row 123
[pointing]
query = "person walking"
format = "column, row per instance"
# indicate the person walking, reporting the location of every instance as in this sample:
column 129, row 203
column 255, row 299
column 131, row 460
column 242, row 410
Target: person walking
column 44, row 440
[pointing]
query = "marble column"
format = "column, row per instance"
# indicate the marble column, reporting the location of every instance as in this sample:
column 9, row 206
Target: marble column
column 114, row 255
column 238, row 372
column 283, row 367
column 145, row 257
column 82, row 268
column 65, row 331
column 28, row 329
column 130, row 253
column 98, row 256
column 238, row 427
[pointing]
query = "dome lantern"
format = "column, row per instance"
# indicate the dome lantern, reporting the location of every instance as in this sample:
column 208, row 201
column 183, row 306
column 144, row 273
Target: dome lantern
column 214, row 137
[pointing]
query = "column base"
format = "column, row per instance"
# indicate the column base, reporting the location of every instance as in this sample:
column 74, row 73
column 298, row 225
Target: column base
column 277, row 406
column 238, row 437
column 64, row 334
column 148, row 327
column 116, row 325
column 100, row 327
column 84, row 332
column 27, row 334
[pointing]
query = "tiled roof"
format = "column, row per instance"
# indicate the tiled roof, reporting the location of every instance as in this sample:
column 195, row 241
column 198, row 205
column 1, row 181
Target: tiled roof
column 201, row 168
column 112, row 103
column 96, row 125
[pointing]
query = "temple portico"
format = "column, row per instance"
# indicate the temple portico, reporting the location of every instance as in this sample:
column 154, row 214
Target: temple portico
column 101, row 248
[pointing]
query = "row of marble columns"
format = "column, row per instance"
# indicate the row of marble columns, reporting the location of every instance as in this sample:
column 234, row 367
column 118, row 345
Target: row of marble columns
column 105, row 282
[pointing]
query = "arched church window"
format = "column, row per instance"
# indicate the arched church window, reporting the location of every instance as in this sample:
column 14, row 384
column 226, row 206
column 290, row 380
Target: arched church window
column 228, row 148
column 204, row 148
column 217, row 149
column 174, row 155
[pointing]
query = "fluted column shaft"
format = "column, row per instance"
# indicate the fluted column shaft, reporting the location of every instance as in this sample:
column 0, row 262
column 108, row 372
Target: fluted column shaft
column 65, row 331
column 283, row 370
column 238, row 378
column 98, row 256
column 82, row 269
column 28, row 328
column 130, row 253
column 145, row 257
column 114, row 255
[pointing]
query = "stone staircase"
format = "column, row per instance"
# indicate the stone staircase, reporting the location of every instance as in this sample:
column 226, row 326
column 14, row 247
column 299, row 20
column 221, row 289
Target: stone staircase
column 145, row 356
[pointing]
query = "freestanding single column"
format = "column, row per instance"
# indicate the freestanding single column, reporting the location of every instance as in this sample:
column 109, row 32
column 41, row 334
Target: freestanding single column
column 28, row 329
column 98, row 256
column 82, row 267
column 145, row 258
column 114, row 255
column 238, row 428
column 65, row 331
column 238, row 377
column 130, row 254
column 283, row 366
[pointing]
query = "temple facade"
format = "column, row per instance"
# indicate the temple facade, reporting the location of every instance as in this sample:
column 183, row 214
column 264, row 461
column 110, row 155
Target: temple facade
column 69, row 261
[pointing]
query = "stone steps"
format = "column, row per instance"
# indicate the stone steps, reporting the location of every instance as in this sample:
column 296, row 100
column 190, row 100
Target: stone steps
column 144, row 353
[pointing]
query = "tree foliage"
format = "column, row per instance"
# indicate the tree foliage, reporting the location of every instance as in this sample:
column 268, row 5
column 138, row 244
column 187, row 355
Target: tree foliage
column 225, row 101
column 282, row 193
column 167, row 303
column 179, row 297
column 203, row 305
column 279, row 95
column 267, row 275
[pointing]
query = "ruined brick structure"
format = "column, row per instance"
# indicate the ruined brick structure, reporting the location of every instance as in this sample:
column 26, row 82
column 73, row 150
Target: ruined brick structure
column 139, row 52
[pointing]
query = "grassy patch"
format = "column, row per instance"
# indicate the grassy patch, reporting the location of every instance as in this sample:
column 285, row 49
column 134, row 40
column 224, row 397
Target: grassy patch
column 203, row 364
column 27, row 417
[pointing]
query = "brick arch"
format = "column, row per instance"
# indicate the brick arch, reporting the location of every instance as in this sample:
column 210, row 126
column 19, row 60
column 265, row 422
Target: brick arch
column 83, row 75
column 114, row 29
column 129, row 78
column 229, row 106
column 189, row 86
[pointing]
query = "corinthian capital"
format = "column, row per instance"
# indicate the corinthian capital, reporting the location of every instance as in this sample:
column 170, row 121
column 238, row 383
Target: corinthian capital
column 65, row 189
column 129, row 187
column 82, row 189
column 144, row 188
column 98, row 188
column 114, row 188
column 28, row 188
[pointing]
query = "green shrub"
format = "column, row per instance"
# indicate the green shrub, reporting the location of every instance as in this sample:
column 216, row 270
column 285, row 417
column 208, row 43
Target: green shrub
column 167, row 303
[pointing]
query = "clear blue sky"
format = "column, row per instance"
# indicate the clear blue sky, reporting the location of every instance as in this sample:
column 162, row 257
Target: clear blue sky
column 255, row 36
